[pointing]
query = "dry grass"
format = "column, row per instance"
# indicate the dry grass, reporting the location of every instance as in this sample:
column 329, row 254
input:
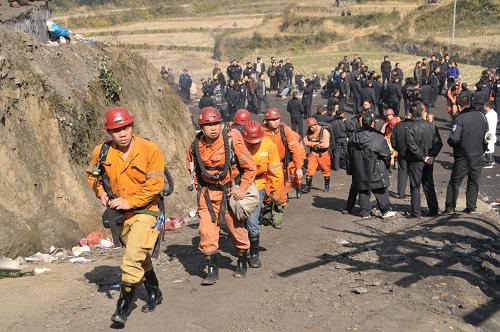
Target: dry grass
column 226, row 22
column 192, row 39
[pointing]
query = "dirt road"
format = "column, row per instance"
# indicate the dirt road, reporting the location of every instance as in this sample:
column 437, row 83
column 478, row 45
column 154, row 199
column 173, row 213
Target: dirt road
column 434, row 274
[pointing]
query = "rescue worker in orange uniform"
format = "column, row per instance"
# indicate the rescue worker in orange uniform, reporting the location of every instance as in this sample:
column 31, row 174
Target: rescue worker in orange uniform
column 135, row 169
column 215, row 168
column 318, row 141
column 241, row 117
column 269, row 174
column 292, row 152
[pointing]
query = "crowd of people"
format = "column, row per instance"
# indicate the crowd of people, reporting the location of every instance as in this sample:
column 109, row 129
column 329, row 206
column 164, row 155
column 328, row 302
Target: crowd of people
column 245, row 171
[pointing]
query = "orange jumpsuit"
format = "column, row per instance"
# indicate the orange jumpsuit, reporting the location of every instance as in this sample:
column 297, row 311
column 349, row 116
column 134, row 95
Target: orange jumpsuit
column 297, row 153
column 139, row 180
column 213, row 155
column 320, row 153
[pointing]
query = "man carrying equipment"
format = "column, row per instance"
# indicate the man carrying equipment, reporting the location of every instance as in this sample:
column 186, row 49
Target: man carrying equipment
column 318, row 141
column 269, row 174
column 135, row 168
column 218, row 158
column 292, row 153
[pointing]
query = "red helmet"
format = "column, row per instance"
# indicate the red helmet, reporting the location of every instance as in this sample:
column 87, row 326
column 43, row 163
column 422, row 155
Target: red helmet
column 311, row 122
column 241, row 117
column 209, row 115
column 272, row 114
column 394, row 122
column 389, row 111
column 253, row 132
column 117, row 117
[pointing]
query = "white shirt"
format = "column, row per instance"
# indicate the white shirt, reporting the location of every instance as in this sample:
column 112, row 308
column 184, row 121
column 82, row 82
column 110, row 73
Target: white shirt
column 492, row 119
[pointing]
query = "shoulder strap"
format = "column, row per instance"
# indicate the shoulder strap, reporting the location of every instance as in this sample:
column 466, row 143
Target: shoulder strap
column 285, row 143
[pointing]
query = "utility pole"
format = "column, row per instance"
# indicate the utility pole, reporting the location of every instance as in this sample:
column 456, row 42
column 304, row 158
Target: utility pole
column 454, row 19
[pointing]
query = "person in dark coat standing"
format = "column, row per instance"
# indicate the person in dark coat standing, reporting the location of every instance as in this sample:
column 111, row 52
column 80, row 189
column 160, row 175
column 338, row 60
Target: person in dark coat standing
column 443, row 75
column 343, row 87
column 369, row 159
column 393, row 95
column 424, row 144
column 185, row 82
column 434, row 83
column 481, row 95
column 307, row 98
column 288, row 67
column 234, row 71
column 261, row 94
column 398, row 142
column 340, row 135
column 296, row 109
column 385, row 69
column 467, row 138
column 397, row 72
column 368, row 93
column 233, row 99
column 356, row 93
column 378, row 87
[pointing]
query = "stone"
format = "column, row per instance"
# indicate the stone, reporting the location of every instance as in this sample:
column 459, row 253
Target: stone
column 360, row 290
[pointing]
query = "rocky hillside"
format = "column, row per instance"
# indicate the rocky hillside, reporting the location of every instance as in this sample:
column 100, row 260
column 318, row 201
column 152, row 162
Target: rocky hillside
column 51, row 115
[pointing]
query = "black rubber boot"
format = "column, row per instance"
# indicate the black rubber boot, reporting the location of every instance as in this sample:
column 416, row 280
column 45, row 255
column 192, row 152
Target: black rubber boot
column 298, row 192
column 307, row 188
column 327, row 184
column 123, row 304
column 254, row 260
column 212, row 270
column 241, row 265
column 154, row 293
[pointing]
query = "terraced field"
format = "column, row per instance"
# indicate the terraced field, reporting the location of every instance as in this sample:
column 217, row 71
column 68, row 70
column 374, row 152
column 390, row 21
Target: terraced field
column 188, row 40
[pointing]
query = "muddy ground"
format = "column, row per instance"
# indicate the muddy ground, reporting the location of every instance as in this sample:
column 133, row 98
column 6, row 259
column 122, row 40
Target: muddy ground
column 433, row 274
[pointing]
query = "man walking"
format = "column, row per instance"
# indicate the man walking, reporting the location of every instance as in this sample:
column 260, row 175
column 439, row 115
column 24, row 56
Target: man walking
column 385, row 69
column 467, row 138
column 369, row 159
column 261, row 93
column 424, row 144
column 185, row 83
column 215, row 170
column 135, row 169
column 398, row 142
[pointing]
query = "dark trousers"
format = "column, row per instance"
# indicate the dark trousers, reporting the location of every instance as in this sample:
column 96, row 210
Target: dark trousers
column 342, row 103
column 402, row 176
column 230, row 112
column 252, row 101
column 382, row 197
column 298, row 126
column 356, row 103
column 274, row 83
column 261, row 100
column 339, row 153
column 442, row 85
column 186, row 93
column 385, row 77
column 307, row 111
column 421, row 173
column 470, row 166
column 351, row 200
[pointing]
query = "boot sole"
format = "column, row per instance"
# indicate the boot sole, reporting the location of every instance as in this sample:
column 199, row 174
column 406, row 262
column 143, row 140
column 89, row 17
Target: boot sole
column 239, row 276
column 208, row 283
column 118, row 320
column 157, row 303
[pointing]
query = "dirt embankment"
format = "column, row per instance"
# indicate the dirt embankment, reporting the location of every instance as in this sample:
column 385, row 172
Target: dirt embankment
column 51, row 111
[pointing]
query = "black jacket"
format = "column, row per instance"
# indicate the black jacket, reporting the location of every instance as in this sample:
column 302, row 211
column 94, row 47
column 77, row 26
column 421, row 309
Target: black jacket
column 233, row 97
column 385, row 67
column 356, row 88
column 339, row 128
column 369, row 158
column 206, row 101
column 398, row 138
column 307, row 96
column 378, row 87
column 423, row 140
column 427, row 94
column 343, row 88
column 467, row 134
column 368, row 93
column 295, row 108
column 234, row 72
column 393, row 93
